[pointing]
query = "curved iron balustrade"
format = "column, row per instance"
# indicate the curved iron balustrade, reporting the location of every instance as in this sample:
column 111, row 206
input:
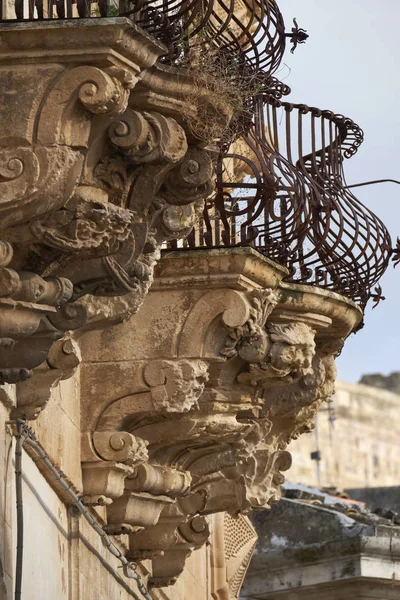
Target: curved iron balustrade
column 251, row 32
column 281, row 189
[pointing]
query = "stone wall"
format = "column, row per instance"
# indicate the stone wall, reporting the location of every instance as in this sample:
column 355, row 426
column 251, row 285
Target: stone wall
column 69, row 555
column 359, row 448
column 6, row 535
column 386, row 382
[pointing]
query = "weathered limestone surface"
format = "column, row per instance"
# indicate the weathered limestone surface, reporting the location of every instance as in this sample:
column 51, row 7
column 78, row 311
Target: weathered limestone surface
column 221, row 368
column 74, row 563
column 93, row 180
column 96, row 173
column 68, row 554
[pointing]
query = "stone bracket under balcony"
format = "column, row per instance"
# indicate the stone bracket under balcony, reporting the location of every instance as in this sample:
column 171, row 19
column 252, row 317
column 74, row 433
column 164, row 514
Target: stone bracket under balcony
column 94, row 177
column 222, row 367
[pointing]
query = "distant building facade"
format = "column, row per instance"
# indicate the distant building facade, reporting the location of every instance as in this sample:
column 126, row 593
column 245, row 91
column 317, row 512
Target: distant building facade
column 355, row 443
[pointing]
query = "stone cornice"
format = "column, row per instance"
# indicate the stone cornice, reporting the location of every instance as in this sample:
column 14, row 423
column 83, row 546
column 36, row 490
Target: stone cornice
column 113, row 41
column 247, row 269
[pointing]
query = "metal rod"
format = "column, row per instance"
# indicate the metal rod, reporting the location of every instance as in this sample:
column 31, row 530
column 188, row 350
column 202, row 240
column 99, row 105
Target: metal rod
column 353, row 185
column 20, row 511
column 28, row 438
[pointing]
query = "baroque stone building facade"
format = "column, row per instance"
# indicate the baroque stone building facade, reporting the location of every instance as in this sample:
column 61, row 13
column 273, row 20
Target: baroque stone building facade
column 150, row 387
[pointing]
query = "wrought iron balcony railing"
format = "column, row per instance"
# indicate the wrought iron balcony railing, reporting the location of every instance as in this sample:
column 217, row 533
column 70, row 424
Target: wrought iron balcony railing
column 251, row 31
column 281, row 189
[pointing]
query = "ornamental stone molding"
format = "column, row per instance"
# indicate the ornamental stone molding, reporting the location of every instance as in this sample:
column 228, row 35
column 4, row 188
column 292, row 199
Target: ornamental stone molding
column 190, row 404
column 96, row 173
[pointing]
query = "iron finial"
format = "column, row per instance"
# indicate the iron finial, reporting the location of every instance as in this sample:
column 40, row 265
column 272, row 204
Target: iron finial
column 297, row 36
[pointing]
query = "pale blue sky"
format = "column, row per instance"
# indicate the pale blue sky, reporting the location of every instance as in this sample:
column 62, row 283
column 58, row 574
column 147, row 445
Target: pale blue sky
column 350, row 64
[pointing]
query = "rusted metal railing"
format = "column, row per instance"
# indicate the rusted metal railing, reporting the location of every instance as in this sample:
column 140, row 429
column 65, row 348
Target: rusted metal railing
column 281, row 189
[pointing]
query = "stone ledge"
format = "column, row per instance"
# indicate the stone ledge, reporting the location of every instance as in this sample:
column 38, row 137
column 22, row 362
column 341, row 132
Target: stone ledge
column 106, row 40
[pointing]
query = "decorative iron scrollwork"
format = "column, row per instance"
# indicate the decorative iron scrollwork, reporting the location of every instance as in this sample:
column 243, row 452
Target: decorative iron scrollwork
column 297, row 36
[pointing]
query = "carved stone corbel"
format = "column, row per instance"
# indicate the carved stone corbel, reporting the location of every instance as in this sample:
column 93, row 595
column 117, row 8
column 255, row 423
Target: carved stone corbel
column 160, row 480
column 192, row 534
column 34, row 314
column 169, row 543
column 148, row 490
column 90, row 189
column 32, row 396
column 241, row 364
column 41, row 158
column 148, row 137
column 40, row 176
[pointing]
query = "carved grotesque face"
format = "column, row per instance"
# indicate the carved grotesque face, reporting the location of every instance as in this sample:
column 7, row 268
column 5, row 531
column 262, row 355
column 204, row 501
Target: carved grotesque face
column 293, row 348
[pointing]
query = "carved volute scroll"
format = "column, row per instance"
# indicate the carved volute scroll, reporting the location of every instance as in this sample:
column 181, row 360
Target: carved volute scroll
column 250, row 360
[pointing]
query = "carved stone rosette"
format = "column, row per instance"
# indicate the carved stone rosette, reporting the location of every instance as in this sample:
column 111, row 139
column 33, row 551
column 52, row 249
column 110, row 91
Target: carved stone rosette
column 94, row 177
column 215, row 377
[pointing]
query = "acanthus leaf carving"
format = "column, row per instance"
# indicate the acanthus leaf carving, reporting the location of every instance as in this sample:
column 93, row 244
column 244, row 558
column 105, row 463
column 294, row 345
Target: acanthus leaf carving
column 39, row 174
column 97, row 91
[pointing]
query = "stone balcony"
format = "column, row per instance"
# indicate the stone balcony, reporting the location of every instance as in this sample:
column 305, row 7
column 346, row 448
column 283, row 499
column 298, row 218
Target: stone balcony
column 96, row 173
column 166, row 384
